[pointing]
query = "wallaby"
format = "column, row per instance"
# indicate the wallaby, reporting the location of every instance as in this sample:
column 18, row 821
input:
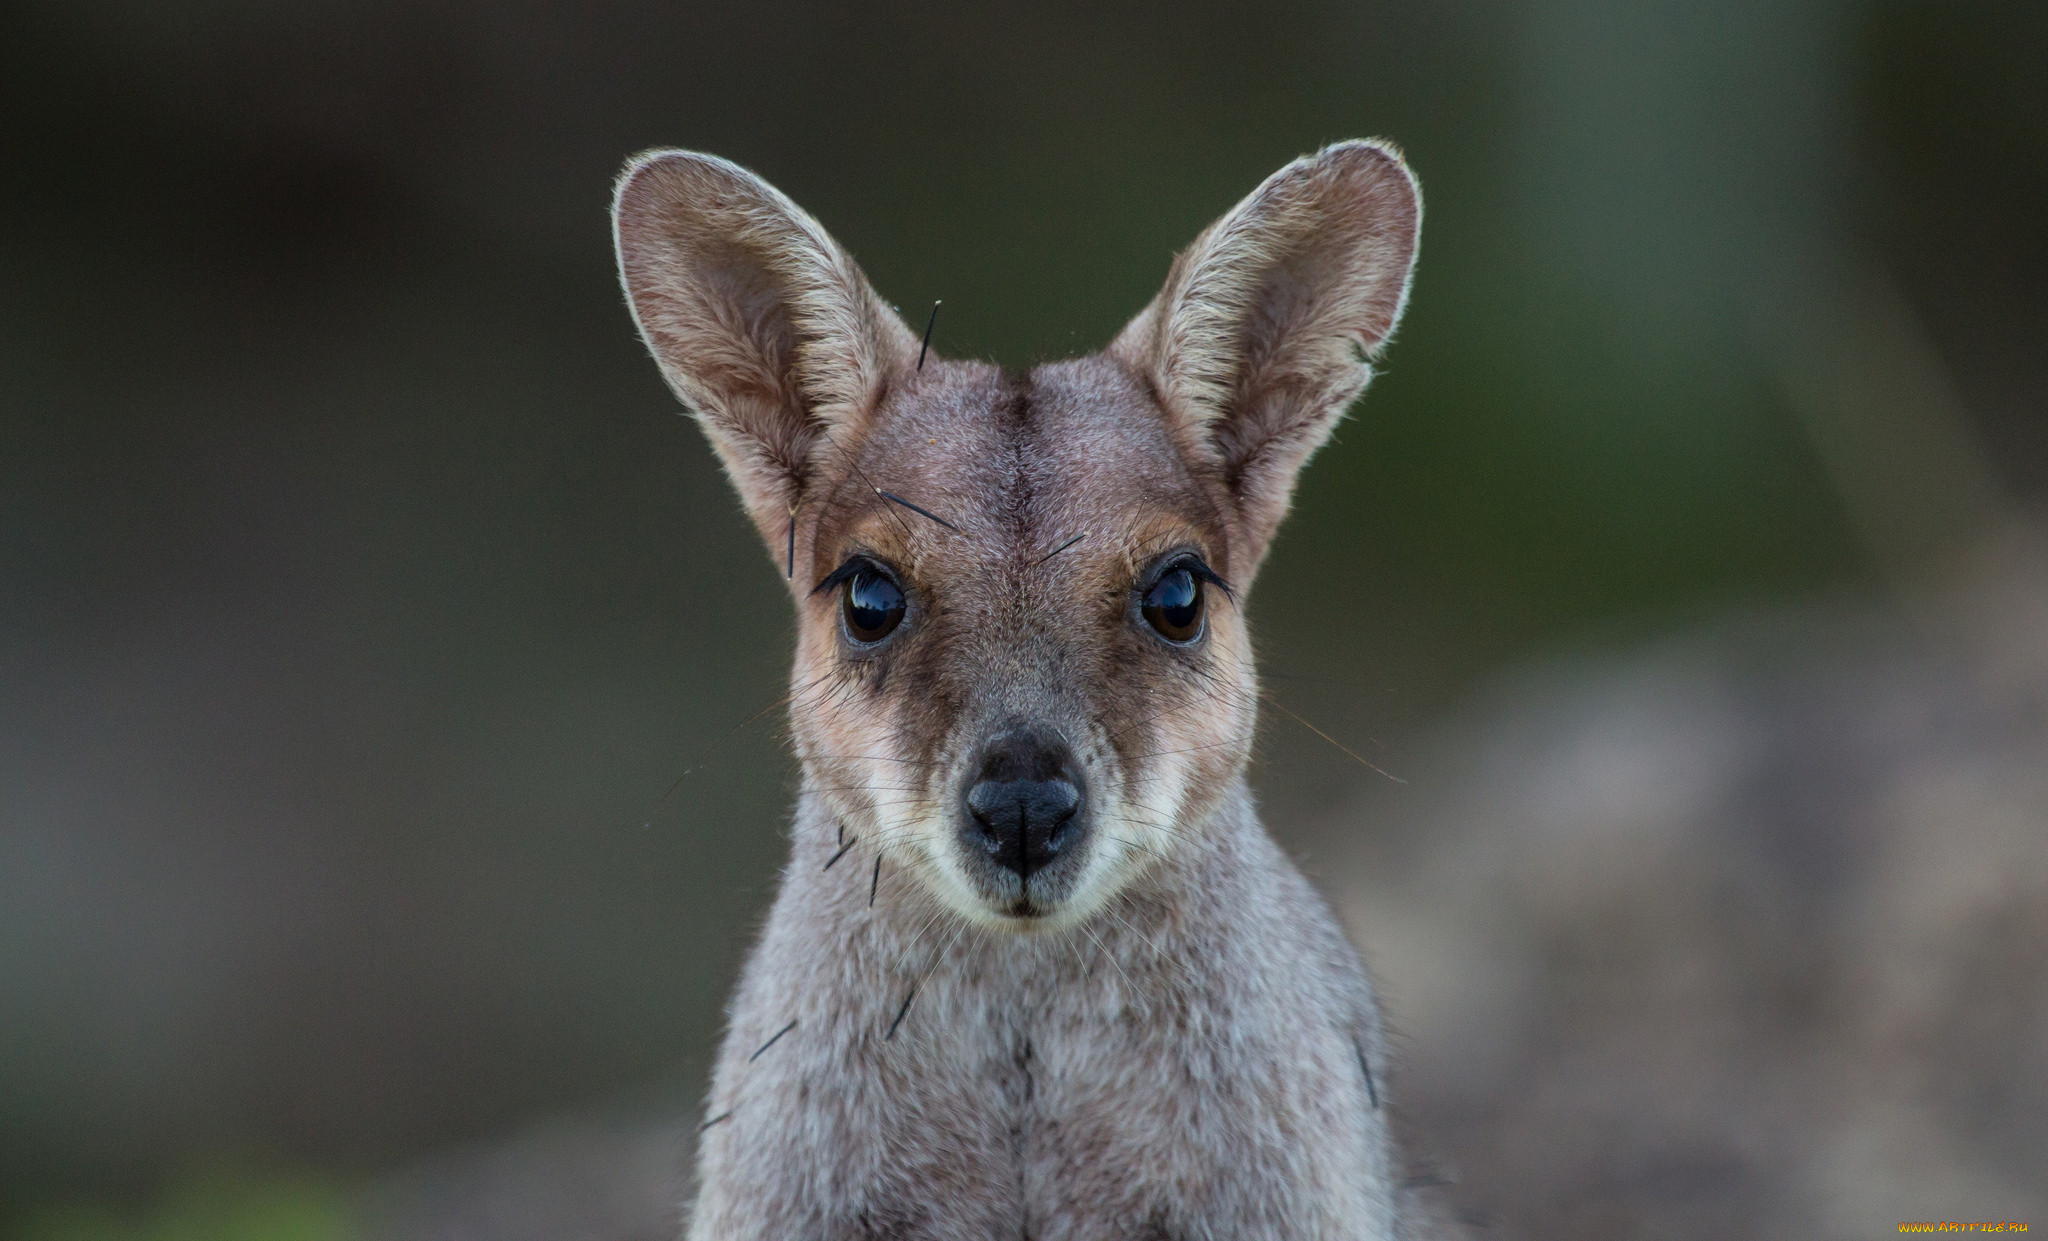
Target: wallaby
column 1035, row 968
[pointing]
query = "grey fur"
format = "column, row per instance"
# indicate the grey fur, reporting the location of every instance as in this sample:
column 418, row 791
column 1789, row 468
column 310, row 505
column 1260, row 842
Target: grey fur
column 1164, row 1034
column 1185, row 1065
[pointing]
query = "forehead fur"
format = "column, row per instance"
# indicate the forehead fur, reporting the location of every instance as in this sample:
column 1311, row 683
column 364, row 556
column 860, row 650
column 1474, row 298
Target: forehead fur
column 1020, row 464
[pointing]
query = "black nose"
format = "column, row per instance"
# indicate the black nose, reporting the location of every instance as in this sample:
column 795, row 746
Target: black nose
column 1025, row 799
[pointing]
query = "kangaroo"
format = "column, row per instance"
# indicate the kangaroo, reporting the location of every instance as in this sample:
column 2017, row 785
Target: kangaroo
column 1035, row 969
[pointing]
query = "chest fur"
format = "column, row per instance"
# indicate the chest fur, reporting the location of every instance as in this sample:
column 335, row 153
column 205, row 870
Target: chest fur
column 1138, row 1077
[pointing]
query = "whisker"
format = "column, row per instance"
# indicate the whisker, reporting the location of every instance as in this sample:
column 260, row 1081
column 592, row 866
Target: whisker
column 901, row 1013
column 1158, row 827
column 1193, row 749
column 720, row 743
column 1057, row 550
column 854, row 462
column 928, row 325
column 886, row 807
column 792, row 694
column 1372, row 1092
column 678, row 784
column 1068, row 940
column 1178, row 833
column 918, row 982
column 866, row 788
column 897, row 832
column 1149, row 941
column 1104, row 951
column 842, row 853
column 771, row 1040
column 884, row 843
column 868, row 758
column 893, row 498
column 1135, row 845
column 1332, row 740
column 940, row 955
column 930, row 919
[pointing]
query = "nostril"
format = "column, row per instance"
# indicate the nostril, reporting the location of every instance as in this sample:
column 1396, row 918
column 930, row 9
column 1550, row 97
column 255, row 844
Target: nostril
column 1057, row 801
column 990, row 802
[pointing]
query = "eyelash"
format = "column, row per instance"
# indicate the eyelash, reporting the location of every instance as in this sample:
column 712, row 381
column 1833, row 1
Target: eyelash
column 854, row 564
column 1195, row 565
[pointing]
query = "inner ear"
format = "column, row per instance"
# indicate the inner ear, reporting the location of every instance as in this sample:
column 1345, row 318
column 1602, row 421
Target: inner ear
column 761, row 323
column 1260, row 339
column 740, row 337
column 757, row 298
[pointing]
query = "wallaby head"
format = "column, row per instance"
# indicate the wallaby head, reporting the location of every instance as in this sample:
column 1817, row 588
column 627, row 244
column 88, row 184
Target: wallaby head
column 1022, row 667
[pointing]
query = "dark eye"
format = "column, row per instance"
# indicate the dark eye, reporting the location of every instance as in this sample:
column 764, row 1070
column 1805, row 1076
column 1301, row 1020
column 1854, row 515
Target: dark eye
column 873, row 606
column 1174, row 606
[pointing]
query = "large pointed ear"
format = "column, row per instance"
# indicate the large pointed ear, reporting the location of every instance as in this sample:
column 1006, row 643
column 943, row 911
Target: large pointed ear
column 1264, row 332
column 760, row 322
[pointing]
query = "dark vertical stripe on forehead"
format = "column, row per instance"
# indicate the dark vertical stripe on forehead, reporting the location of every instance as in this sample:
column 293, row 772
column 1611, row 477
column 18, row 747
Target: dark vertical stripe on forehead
column 1118, row 467
column 1020, row 436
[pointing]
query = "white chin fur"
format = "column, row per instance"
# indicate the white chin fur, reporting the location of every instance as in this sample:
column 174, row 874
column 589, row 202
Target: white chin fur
column 1129, row 839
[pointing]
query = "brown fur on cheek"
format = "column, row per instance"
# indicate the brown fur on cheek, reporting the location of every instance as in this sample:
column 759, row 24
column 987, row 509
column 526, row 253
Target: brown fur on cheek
column 845, row 730
column 866, row 724
column 1186, row 740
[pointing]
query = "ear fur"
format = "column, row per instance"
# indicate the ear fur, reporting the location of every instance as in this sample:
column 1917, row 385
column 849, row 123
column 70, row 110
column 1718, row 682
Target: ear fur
column 760, row 322
column 1261, row 338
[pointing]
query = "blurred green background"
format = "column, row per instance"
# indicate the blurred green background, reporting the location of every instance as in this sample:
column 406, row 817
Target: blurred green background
column 378, row 646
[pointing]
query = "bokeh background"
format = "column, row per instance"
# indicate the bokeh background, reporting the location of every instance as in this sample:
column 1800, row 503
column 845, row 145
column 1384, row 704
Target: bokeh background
column 384, row 805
